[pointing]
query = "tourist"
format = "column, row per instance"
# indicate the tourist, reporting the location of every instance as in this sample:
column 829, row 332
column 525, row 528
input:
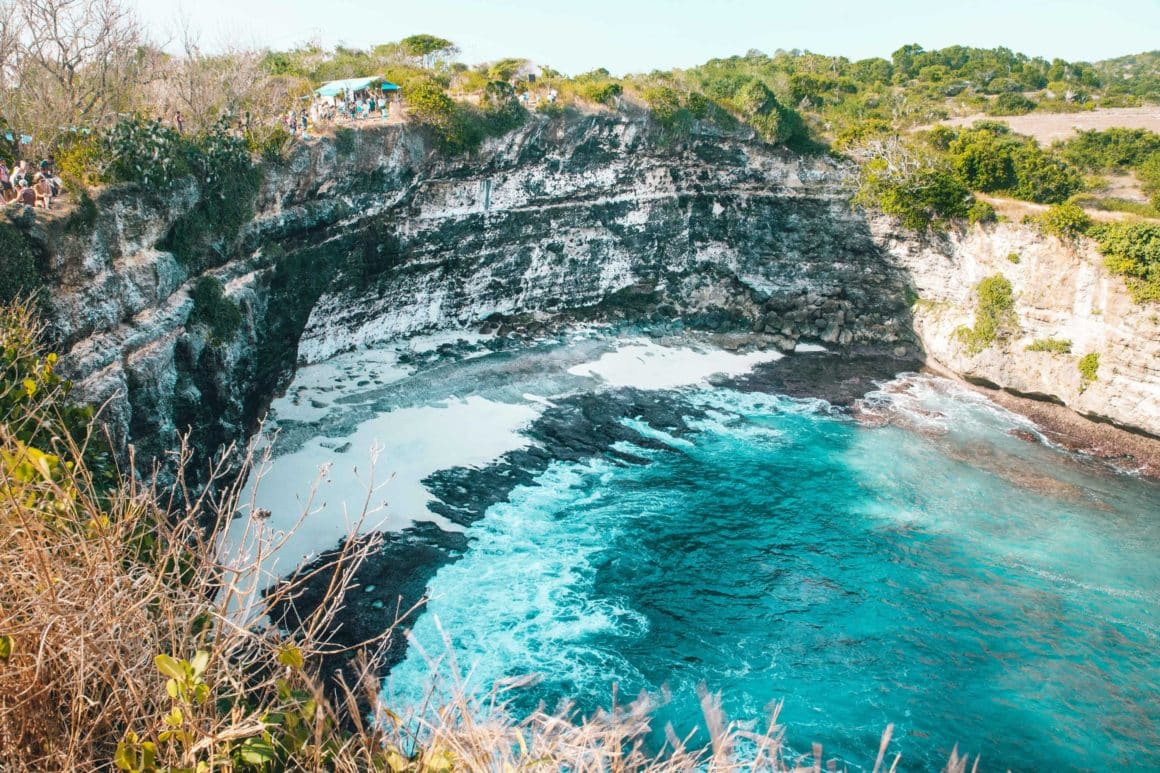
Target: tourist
column 26, row 195
column 302, row 118
column 43, row 192
column 179, row 121
column 5, row 178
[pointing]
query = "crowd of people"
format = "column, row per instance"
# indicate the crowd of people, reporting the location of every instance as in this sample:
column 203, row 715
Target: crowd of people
column 28, row 186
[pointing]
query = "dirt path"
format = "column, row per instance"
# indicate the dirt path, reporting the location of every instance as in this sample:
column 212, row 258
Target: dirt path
column 1016, row 210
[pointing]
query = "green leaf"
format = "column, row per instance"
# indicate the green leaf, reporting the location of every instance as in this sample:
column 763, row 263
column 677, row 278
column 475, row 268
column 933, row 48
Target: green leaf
column 291, row 657
column 124, row 758
column 169, row 667
column 257, row 751
column 199, row 662
column 5, row 647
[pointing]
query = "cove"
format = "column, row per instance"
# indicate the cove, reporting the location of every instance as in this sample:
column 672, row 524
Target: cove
column 921, row 558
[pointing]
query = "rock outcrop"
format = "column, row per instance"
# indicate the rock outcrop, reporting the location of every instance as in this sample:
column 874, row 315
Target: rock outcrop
column 576, row 218
column 1061, row 292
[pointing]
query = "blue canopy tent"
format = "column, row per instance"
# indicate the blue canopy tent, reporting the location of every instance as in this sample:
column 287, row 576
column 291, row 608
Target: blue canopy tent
column 339, row 87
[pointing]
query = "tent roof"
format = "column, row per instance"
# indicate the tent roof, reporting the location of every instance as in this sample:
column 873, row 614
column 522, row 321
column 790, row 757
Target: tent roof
column 334, row 88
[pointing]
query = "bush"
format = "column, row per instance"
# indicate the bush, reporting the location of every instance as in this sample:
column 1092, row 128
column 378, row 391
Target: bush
column 601, row 92
column 214, row 309
column 1149, row 175
column 665, row 104
column 981, row 212
column 1053, row 345
column 990, row 158
column 80, row 160
column 1115, row 149
column 924, row 198
column 271, row 144
column 19, row 275
column 1066, row 221
column 1132, row 250
column 1089, row 366
column 1011, row 104
column 994, row 315
column 229, row 183
column 344, row 139
column 1013, row 257
column 1043, row 179
column 144, row 151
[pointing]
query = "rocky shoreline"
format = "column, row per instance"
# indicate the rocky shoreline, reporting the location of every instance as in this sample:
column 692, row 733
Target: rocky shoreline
column 1126, row 451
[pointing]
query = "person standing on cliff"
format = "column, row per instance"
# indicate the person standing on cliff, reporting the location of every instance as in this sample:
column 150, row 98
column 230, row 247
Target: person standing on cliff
column 179, row 122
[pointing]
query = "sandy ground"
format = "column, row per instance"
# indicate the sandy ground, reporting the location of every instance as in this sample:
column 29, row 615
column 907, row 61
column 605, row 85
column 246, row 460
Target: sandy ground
column 1048, row 127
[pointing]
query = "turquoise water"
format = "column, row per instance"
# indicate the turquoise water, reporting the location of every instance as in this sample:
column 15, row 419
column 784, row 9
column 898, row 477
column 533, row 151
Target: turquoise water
column 937, row 573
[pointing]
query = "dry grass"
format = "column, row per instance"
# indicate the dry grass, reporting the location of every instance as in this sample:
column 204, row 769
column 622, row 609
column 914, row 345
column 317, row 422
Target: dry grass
column 95, row 584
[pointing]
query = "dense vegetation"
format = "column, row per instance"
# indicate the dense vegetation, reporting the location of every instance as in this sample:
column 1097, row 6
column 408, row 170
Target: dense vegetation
column 1132, row 250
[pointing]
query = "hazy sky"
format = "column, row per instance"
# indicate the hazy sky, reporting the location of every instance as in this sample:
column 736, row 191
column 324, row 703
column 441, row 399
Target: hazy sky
column 641, row 35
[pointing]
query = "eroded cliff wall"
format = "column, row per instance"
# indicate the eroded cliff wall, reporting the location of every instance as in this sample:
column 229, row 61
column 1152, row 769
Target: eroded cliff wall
column 585, row 217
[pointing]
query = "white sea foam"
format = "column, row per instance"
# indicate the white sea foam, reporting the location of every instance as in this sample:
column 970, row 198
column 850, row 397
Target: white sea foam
column 645, row 364
column 381, row 468
column 532, row 579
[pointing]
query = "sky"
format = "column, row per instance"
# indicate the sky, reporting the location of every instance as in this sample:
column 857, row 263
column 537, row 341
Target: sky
column 641, row 35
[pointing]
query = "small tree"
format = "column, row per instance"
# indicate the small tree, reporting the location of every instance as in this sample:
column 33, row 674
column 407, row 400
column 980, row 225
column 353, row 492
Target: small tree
column 428, row 49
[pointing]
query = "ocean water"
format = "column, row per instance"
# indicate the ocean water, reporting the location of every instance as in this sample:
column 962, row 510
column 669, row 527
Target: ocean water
column 926, row 563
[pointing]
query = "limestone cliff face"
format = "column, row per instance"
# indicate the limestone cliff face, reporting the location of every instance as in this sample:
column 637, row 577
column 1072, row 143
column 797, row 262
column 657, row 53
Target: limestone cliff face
column 1061, row 291
column 580, row 218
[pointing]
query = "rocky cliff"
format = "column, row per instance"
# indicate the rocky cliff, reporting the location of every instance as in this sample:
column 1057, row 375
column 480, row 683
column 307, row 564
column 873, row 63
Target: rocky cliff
column 578, row 218
column 1061, row 292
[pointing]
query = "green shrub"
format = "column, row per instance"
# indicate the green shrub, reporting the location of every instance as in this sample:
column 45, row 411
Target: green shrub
column 601, row 92
column 214, row 309
column 924, row 198
column 19, row 275
column 665, row 104
column 228, row 182
column 1013, row 257
column 994, row 315
column 1042, row 178
column 1115, row 149
column 271, row 144
column 1089, row 366
column 981, row 212
column 80, row 159
column 1066, row 221
column 1053, row 345
column 1011, row 104
column 344, row 139
column 990, row 158
column 144, row 151
column 1149, row 175
column 1132, row 250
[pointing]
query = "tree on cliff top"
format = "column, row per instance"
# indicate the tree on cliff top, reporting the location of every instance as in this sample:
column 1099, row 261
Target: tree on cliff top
column 67, row 63
column 428, row 49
